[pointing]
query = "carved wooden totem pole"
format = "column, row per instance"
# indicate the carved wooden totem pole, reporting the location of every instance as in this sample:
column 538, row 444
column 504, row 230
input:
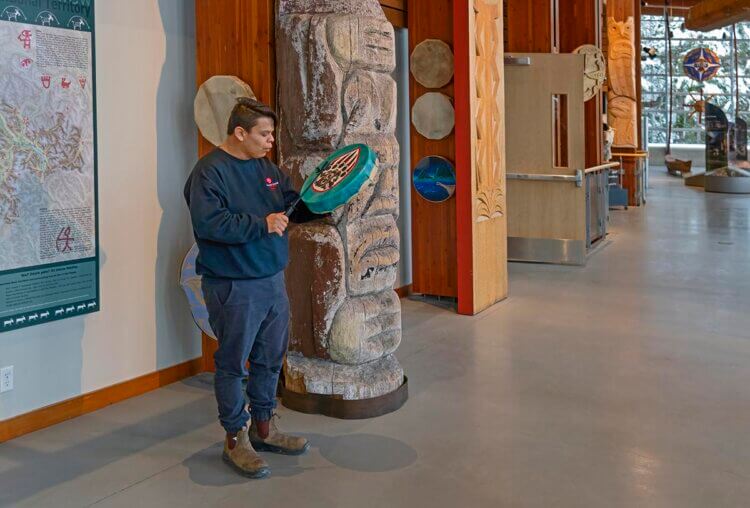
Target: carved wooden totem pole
column 622, row 109
column 334, row 64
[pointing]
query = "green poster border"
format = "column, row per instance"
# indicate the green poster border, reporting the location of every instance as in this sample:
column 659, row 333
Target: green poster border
column 37, row 7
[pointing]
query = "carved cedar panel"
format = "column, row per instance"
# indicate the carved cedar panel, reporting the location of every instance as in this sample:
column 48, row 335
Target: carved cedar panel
column 490, row 131
column 622, row 111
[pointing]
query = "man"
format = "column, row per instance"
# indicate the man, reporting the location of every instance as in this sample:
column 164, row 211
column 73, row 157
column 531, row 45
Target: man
column 237, row 199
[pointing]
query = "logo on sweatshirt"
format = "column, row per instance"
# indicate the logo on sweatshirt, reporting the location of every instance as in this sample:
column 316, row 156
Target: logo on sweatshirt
column 271, row 184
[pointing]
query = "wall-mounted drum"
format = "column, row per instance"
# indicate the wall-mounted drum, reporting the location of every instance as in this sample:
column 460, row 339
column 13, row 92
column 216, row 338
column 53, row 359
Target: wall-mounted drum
column 435, row 179
column 191, row 285
column 433, row 115
column 214, row 103
column 431, row 63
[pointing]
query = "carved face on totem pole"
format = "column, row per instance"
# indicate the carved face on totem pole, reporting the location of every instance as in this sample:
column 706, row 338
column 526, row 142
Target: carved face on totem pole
column 334, row 64
column 622, row 107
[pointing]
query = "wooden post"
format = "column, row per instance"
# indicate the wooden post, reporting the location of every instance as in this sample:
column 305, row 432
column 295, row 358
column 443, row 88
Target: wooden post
column 480, row 154
column 623, row 96
column 580, row 22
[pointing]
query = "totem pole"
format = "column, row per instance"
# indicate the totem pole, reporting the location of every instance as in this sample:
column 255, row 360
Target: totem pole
column 622, row 106
column 334, row 65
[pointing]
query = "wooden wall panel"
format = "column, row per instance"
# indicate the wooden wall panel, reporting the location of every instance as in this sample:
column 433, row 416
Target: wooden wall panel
column 236, row 37
column 395, row 11
column 433, row 224
column 580, row 23
column 395, row 16
column 531, row 26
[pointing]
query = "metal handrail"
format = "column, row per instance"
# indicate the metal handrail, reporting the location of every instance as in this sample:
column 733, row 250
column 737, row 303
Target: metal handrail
column 576, row 178
column 636, row 155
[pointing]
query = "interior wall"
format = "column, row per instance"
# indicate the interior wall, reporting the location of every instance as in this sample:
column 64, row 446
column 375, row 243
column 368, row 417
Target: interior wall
column 580, row 23
column 401, row 75
column 145, row 68
column 435, row 270
column 529, row 26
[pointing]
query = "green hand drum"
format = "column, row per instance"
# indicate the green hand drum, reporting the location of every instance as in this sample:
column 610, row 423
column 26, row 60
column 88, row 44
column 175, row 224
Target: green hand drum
column 339, row 178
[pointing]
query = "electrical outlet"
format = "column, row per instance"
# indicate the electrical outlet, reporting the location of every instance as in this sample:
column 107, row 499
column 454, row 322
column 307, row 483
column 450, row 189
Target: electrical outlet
column 6, row 379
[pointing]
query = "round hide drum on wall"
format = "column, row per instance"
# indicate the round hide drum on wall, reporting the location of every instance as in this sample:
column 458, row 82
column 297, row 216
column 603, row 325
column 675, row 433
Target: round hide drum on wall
column 433, row 115
column 594, row 70
column 435, row 179
column 191, row 285
column 431, row 63
column 213, row 105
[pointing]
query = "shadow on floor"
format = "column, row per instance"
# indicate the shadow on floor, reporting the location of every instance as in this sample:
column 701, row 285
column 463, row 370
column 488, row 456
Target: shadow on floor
column 367, row 453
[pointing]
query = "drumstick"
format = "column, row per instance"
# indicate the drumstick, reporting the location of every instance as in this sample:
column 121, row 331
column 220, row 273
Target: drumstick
column 291, row 208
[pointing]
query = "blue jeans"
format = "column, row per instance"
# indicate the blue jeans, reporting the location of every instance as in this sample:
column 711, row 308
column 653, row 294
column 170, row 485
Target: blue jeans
column 250, row 317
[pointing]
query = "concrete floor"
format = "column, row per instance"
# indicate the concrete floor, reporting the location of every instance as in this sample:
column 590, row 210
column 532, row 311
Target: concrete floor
column 625, row 383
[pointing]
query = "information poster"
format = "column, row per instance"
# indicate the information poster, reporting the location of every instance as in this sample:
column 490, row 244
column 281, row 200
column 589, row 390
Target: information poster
column 49, row 265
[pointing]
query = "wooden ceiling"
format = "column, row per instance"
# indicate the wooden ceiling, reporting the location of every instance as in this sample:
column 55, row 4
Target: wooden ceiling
column 701, row 14
column 656, row 7
column 712, row 14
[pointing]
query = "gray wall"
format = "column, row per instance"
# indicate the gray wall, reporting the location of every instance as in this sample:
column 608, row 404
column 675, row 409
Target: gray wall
column 145, row 69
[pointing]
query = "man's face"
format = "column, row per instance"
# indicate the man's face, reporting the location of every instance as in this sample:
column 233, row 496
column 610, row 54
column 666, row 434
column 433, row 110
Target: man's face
column 259, row 140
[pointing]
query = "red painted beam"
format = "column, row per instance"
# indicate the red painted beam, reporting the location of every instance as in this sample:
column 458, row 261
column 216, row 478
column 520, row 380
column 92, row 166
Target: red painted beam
column 464, row 180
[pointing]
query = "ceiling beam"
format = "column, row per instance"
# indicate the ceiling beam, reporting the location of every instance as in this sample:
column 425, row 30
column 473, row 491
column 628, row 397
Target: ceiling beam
column 712, row 14
column 676, row 8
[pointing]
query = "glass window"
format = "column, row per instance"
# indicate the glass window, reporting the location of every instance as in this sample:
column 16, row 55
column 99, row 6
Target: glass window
column 720, row 90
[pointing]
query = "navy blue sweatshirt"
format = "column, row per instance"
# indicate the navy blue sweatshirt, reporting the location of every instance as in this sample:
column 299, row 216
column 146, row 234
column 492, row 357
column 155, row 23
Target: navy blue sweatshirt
column 229, row 199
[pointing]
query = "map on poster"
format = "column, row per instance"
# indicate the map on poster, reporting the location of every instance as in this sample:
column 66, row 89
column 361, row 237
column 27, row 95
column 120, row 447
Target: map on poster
column 48, row 199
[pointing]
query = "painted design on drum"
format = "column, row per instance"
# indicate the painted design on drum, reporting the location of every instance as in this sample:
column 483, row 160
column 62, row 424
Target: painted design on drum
column 335, row 59
column 434, row 178
column 337, row 170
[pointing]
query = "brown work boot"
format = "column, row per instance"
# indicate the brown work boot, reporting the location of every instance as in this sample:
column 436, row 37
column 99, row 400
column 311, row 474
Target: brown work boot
column 265, row 437
column 239, row 454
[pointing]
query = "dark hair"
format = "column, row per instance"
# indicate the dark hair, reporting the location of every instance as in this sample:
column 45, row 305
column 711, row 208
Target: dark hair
column 246, row 113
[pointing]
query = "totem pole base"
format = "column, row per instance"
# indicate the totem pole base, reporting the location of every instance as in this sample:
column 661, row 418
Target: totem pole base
column 336, row 406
